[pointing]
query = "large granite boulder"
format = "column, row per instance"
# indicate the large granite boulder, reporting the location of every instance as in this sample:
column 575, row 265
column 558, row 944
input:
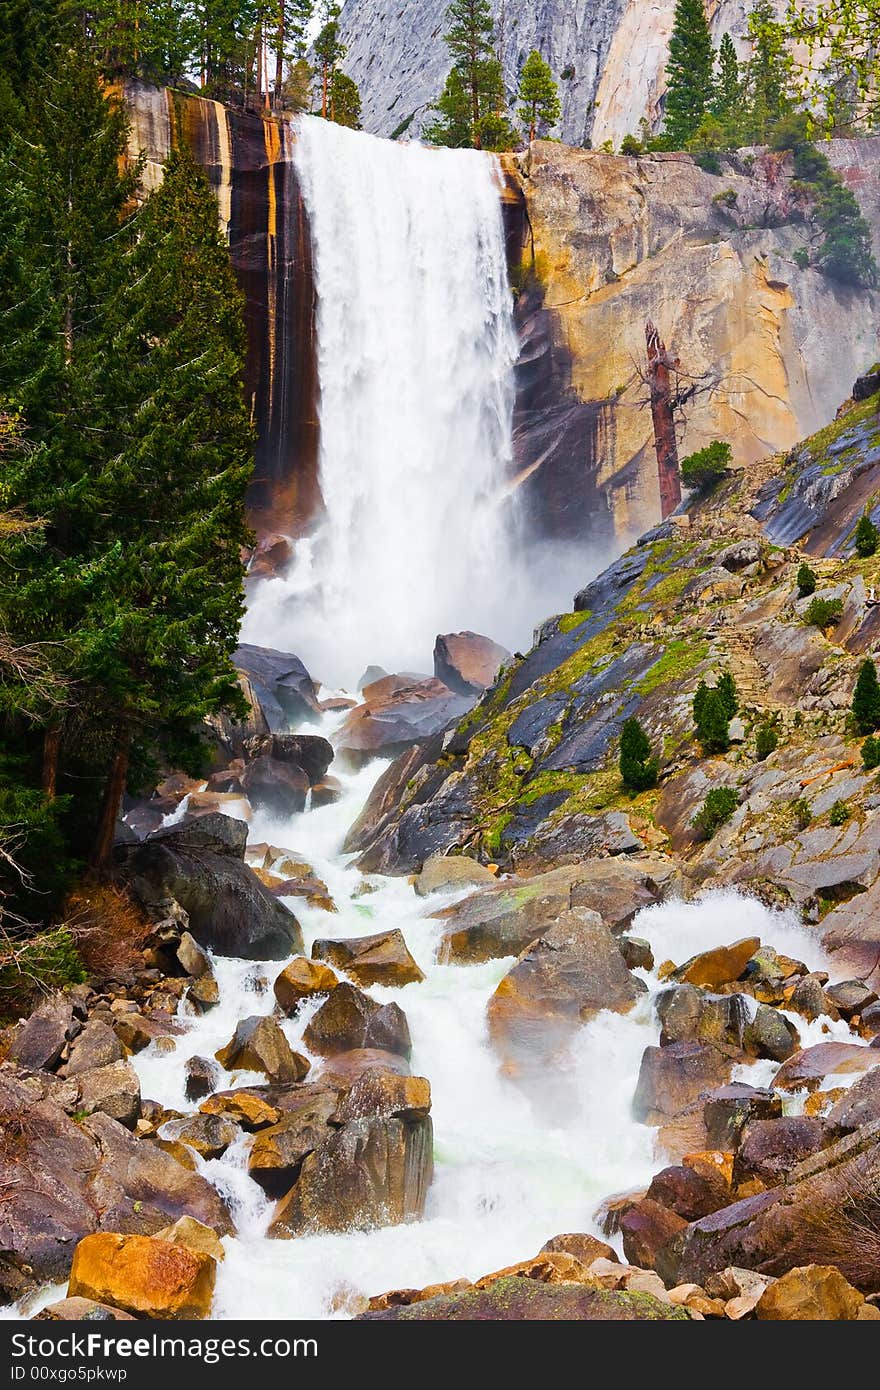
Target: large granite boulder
column 144, row 1276
column 350, row 1019
column 283, row 687
column 379, row 959
column 513, row 1299
column 390, row 721
column 201, row 866
column 466, row 662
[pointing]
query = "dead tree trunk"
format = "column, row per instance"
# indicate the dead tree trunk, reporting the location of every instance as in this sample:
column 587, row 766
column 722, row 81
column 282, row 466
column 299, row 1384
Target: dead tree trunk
column 660, row 384
column 112, row 800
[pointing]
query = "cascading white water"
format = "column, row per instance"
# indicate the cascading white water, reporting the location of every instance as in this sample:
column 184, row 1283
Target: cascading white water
column 416, row 348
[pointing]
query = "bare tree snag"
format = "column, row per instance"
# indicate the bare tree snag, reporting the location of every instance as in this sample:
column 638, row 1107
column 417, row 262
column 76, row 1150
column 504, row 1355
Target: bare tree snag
column 660, row 369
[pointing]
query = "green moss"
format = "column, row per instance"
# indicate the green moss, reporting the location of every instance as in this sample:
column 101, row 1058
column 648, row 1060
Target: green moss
column 551, row 781
column 569, row 621
column 680, row 658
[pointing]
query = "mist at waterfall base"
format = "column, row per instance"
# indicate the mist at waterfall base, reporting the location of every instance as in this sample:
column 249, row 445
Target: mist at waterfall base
column 416, row 347
column 507, row 1178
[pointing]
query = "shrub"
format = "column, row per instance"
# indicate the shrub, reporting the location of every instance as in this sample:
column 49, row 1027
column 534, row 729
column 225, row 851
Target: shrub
column 866, row 699
column 631, row 145
column 109, row 929
column 806, row 581
column 839, row 813
column 802, row 258
column 823, row 612
column 867, row 537
column 711, row 720
column 638, row 770
column 701, row 470
column 871, row 753
column 726, row 688
column 28, row 968
column 718, row 807
column 766, row 741
column 801, row 813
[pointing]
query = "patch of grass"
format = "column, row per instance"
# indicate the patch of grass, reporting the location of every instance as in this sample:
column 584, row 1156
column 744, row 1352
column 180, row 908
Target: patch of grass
column 680, row 658
column 569, row 621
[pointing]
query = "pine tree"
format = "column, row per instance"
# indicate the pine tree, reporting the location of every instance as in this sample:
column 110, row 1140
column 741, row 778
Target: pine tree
column 688, row 73
column 454, row 128
column 726, row 688
column 867, row 537
column 806, row 581
column 768, row 74
column 711, row 719
column 345, row 101
column 538, row 95
column 473, row 97
column 726, row 93
column 866, row 699
column 638, row 770
column 329, row 51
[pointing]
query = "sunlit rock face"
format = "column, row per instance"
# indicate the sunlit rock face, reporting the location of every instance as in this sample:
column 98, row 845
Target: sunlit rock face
column 608, row 55
column 249, row 163
column 772, row 349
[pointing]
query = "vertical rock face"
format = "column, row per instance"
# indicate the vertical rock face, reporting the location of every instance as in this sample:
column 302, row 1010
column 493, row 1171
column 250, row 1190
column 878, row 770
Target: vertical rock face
column 249, row 163
column 609, row 57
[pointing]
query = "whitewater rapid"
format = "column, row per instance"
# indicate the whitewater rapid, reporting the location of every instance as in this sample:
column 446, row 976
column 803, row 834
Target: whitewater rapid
column 505, row 1181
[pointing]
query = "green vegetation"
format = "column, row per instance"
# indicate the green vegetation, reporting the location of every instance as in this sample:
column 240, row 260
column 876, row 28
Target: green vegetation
column 727, row 691
column 539, row 108
column 631, row 145
column 680, row 657
column 867, row 537
column 871, row 753
column 688, row 73
column 866, row 699
column 569, row 621
column 471, row 109
column 718, row 807
column 766, row 741
column 823, row 612
column 806, row 581
column 711, row 719
column 638, row 769
column 839, row 813
column 702, row 470
column 801, row 813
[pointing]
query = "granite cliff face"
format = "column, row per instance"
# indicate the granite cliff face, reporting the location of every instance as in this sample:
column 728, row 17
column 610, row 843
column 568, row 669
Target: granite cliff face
column 397, row 56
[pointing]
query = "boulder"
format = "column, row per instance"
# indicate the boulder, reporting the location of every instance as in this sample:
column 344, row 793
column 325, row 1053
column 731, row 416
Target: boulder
column 859, row 1105
column 194, row 1236
column 388, row 723
column 209, row 1135
column 276, row 1153
column 203, row 994
column 804, row 1070
column 672, row 1078
column 372, row 1172
column 771, row 1148
column 96, row 1046
column 505, row 919
column 276, row 787
column 380, row 959
column 307, row 752
column 727, row 1110
column 143, row 1275
column 81, row 1310
column 258, row 1044
column 301, row 979
column 137, row 1031
column 201, row 867
column 468, row 663
column 248, row 1106
column 566, row 977
column 344, row 1068
column 811, row 1217
column 734, row 1023
column 813, row 1293
column 446, row 872
column 718, row 967
column 525, row 1300
column 115, row 1090
column 647, row 1228
column 850, row 997
column 193, row 959
column 381, row 1092
column 282, row 686
column 637, row 954
column 689, row 1192
column 350, row 1019
column 38, row 1042
column 202, row 1077
column 582, row 1246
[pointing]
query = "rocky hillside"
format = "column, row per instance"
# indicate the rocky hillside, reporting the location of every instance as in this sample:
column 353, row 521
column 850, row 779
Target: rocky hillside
column 530, row 776
column 397, row 56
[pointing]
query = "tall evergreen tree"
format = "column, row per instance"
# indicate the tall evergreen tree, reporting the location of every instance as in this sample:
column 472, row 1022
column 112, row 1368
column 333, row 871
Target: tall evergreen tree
column 638, row 769
column 866, row 699
column 726, row 93
column 329, row 51
column 688, row 73
column 454, row 125
column 345, row 101
column 538, row 95
column 768, row 75
column 474, row 97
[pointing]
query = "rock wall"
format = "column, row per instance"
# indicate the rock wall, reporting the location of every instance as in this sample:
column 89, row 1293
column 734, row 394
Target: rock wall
column 610, row 242
column 248, row 161
column 397, row 56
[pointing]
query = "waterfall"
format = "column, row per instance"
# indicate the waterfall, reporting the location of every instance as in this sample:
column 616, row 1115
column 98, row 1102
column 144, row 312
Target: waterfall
column 416, row 348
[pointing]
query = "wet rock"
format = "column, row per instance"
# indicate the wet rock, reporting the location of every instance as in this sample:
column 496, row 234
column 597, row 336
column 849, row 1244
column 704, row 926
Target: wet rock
column 388, row 723
column 689, row 1192
column 468, row 663
column 859, row 1105
column 202, row 1077
column 733, row 1023
column 204, row 994
column 276, row 787
column 81, row 1310
column 809, row 999
column 380, row 1092
column 277, row 1153
column 380, row 959
column 115, row 1090
column 96, row 1046
column 245, row 1105
column 301, row 979
column 814, row 1293
column 729, row 1109
column 284, row 689
column 450, row 871
column 403, row 1298
column 344, row 1068
column 350, row 1019
column 870, row 1023
column 583, row 1247
column 209, row 1135
column 772, row 1148
column 673, row 1077
column 547, row 1267
column 566, row 977
column 258, row 1044
column 194, row 960
column 143, row 1275
column 804, row 1070
column 719, row 966
column 525, row 1300
column 137, row 1031
column 850, row 997
column 637, row 954
column 372, row 1172
column 39, row 1041
column 647, row 1228
column 194, row 1235
column 201, row 867
column 542, row 841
